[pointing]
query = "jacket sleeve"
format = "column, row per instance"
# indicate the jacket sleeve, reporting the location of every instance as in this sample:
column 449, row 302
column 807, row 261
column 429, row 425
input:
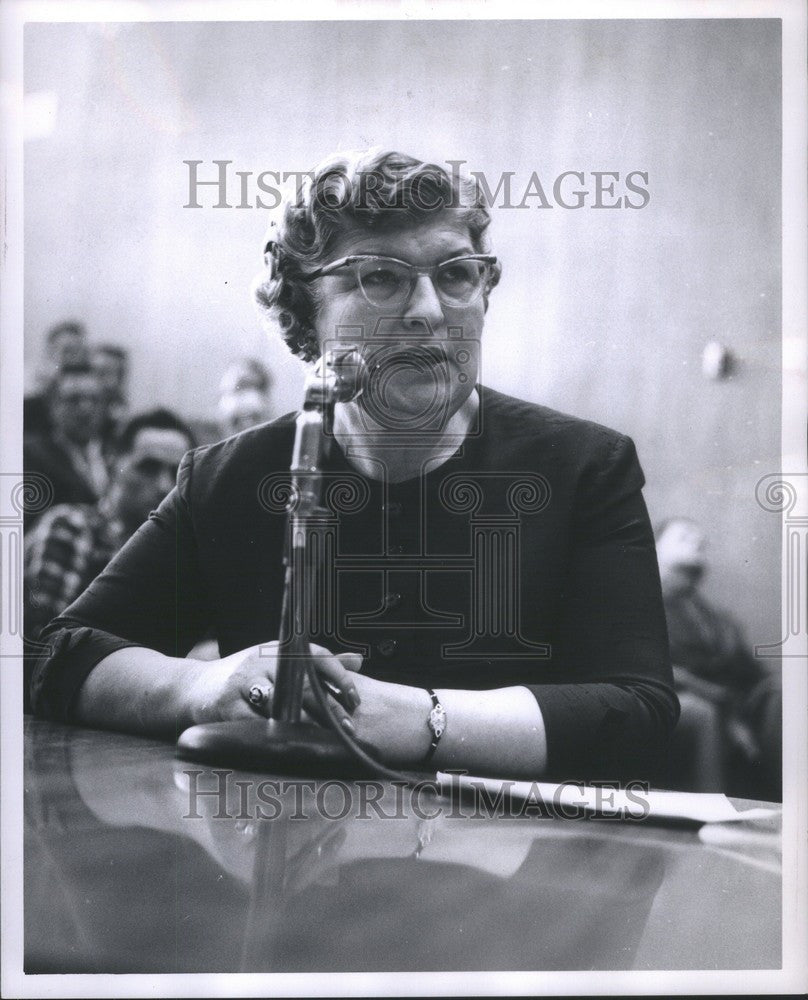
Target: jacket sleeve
column 611, row 706
column 151, row 594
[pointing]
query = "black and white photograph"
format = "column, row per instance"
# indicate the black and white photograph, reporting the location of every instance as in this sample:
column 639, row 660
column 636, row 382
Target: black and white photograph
column 403, row 503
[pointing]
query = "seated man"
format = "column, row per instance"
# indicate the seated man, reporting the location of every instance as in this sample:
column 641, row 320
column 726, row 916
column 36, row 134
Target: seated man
column 69, row 451
column 72, row 543
column 730, row 702
column 111, row 362
column 243, row 396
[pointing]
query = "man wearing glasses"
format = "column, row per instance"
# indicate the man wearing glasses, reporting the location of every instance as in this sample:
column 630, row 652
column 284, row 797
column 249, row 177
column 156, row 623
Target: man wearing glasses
column 488, row 594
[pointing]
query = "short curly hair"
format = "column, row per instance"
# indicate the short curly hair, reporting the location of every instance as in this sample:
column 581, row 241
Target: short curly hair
column 375, row 189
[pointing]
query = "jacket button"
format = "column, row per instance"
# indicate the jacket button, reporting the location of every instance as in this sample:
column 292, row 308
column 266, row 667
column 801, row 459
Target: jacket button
column 387, row 647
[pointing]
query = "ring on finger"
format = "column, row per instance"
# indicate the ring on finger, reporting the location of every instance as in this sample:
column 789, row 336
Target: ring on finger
column 259, row 694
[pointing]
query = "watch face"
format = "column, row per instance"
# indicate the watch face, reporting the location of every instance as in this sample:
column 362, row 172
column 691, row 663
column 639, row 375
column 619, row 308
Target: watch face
column 437, row 721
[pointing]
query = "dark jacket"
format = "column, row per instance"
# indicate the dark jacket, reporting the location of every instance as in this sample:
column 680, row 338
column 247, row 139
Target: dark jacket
column 49, row 469
column 526, row 559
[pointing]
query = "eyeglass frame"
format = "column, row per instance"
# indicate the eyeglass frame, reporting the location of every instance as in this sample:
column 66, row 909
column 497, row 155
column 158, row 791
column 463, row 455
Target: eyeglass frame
column 414, row 271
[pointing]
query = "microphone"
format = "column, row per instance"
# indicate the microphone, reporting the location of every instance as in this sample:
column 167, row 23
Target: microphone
column 284, row 741
column 338, row 377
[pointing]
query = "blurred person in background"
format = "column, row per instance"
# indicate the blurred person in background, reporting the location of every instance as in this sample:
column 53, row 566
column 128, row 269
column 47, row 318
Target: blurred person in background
column 243, row 396
column 69, row 450
column 111, row 362
column 73, row 542
column 65, row 344
column 245, row 373
column 729, row 733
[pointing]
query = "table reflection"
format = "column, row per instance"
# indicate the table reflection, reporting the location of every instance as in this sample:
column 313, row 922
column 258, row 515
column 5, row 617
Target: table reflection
column 133, row 865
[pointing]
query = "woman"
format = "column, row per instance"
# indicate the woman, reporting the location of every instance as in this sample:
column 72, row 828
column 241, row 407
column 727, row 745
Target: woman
column 491, row 598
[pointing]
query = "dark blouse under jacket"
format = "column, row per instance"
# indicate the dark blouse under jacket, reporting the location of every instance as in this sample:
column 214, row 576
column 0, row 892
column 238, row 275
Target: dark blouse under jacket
column 525, row 559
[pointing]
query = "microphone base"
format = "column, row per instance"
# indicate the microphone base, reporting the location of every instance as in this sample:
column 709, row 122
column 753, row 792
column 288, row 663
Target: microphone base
column 296, row 748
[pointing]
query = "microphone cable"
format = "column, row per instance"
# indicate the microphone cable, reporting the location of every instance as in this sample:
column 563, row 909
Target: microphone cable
column 354, row 747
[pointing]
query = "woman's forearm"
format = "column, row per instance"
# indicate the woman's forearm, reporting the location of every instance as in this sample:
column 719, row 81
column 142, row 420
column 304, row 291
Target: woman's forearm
column 500, row 732
column 497, row 731
column 138, row 690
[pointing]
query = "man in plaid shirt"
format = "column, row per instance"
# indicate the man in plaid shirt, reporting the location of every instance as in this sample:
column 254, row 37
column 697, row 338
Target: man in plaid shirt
column 70, row 544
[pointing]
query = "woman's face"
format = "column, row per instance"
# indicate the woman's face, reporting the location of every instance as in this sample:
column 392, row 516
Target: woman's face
column 423, row 355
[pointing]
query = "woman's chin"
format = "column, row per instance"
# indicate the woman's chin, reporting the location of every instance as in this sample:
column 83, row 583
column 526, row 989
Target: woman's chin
column 410, row 403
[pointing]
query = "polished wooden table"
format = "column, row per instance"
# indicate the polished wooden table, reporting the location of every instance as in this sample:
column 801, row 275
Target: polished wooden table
column 131, row 867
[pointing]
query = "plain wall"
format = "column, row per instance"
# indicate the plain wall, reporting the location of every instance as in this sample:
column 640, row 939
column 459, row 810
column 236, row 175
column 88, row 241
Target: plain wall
column 601, row 313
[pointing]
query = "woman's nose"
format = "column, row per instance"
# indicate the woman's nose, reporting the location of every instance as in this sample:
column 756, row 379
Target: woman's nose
column 424, row 304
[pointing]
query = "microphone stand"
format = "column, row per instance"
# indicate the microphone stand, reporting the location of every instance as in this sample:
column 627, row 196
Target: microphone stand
column 284, row 740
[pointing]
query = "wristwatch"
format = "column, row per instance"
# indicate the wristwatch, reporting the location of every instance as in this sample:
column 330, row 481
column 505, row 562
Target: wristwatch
column 436, row 723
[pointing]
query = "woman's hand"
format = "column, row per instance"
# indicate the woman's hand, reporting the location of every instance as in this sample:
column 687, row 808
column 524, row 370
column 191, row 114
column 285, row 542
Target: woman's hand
column 241, row 686
column 389, row 719
column 138, row 690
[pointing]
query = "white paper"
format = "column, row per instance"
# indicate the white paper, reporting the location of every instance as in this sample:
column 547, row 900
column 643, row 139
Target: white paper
column 608, row 802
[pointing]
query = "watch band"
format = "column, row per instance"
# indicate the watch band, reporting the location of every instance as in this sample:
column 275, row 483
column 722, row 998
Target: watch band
column 436, row 723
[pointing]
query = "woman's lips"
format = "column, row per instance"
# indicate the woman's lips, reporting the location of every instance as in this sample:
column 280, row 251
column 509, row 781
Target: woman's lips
column 408, row 357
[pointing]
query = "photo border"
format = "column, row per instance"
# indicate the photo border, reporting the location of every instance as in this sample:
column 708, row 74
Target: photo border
column 793, row 977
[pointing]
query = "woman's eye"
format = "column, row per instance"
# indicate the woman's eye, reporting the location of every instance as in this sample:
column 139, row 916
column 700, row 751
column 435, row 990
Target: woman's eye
column 381, row 278
column 456, row 273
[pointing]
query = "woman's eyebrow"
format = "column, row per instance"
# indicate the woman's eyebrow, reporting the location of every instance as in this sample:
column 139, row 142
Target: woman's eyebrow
column 463, row 251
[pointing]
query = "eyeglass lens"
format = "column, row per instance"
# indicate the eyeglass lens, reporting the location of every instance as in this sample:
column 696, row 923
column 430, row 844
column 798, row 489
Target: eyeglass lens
column 390, row 282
